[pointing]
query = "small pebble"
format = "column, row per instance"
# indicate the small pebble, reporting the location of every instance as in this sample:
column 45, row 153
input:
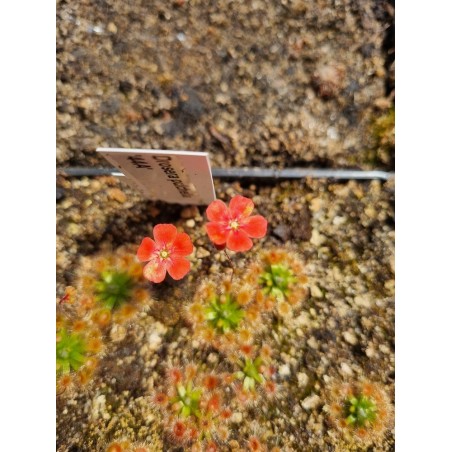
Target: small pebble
column 346, row 370
column 112, row 28
column 350, row 337
column 311, row 402
column 284, row 370
column 316, row 204
column 312, row 342
column 303, row 379
column 370, row 212
column 363, row 300
column 317, row 239
column 237, row 417
column 337, row 221
column 202, row 252
column 212, row 358
column 190, row 223
column 117, row 333
column 316, row 292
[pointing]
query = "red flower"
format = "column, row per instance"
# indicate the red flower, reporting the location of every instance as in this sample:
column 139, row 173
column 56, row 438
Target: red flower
column 232, row 227
column 166, row 253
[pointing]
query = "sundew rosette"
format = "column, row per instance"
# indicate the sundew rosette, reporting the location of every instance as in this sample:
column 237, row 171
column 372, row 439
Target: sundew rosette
column 360, row 411
column 224, row 314
column 78, row 347
column 112, row 287
column 278, row 276
column 253, row 375
column 194, row 408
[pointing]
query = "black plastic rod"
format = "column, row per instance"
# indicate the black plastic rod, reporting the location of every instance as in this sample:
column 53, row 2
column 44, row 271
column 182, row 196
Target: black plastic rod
column 253, row 173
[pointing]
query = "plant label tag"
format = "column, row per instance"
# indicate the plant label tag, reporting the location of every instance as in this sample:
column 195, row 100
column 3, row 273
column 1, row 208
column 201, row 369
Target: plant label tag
column 177, row 177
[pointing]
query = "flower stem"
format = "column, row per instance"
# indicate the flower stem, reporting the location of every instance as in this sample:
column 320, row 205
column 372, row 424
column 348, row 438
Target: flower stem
column 230, row 261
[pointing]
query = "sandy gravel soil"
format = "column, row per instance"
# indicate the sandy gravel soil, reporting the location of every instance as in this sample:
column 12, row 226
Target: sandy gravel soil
column 254, row 83
column 343, row 331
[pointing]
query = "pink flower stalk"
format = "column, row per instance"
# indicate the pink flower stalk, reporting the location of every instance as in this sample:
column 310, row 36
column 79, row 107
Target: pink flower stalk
column 233, row 226
column 166, row 253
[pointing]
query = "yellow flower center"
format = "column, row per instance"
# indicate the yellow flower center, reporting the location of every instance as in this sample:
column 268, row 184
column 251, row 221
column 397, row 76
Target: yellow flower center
column 234, row 225
column 164, row 254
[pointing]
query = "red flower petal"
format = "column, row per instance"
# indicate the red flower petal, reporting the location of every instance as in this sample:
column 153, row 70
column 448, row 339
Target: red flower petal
column 217, row 232
column 165, row 234
column 154, row 271
column 239, row 241
column 255, row 226
column 146, row 249
column 217, row 211
column 179, row 267
column 240, row 207
column 182, row 245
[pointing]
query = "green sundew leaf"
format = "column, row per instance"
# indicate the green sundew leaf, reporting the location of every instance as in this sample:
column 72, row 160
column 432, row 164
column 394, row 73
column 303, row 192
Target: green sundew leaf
column 211, row 315
column 181, row 390
column 249, row 367
column 362, row 413
column 251, row 372
column 78, row 357
column 236, row 316
column 101, row 290
column 196, row 395
column 110, row 302
column 248, row 384
column 66, row 367
column 186, row 411
column 350, row 420
column 76, row 365
column 278, row 293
